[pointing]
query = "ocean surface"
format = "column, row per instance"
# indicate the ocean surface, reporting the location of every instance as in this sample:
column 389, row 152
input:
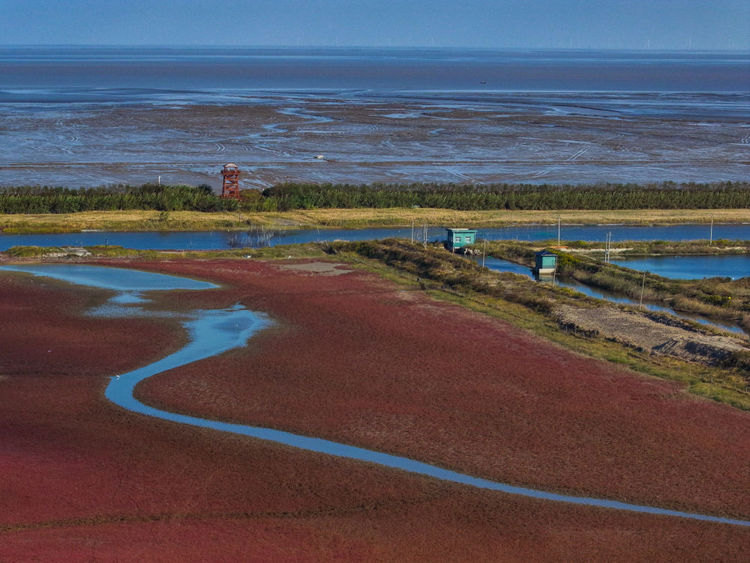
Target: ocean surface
column 101, row 74
column 98, row 115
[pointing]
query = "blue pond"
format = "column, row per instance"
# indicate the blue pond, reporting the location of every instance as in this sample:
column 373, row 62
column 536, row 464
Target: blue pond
column 500, row 265
column 116, row 279
column 691, row 267
column 129, row 284
column 215, row 331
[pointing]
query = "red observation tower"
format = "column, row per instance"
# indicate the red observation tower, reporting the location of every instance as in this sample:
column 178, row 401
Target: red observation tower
column 231, row 185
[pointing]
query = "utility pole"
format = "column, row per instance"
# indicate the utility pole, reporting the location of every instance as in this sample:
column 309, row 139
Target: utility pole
column 643, row 286
column 607, row 247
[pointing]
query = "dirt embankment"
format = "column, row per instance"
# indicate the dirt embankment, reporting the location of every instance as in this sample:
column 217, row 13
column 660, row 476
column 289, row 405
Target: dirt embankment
column 657, row 335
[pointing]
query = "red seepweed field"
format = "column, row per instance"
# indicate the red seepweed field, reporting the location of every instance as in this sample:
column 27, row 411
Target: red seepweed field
column 355, row 359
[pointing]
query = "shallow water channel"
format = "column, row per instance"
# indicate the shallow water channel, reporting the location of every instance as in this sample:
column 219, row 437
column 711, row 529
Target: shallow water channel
column 213, row 240
column 212, row 332
column 500, row 265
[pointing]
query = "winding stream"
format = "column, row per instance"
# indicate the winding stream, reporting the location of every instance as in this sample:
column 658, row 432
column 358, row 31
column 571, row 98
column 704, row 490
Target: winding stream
column 212, row 332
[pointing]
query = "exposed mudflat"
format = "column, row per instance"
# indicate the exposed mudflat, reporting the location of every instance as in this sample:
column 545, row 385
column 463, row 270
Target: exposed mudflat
column 500, row 137
column 319, row 268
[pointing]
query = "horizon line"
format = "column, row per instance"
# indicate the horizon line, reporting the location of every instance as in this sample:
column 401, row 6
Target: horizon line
column 384, row 47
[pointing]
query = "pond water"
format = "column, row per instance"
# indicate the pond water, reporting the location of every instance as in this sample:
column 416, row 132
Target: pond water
column 213, row 240
column 116, row 279
column 690, row 267
column 500, row 265
column 129, row 284
column 213, row 332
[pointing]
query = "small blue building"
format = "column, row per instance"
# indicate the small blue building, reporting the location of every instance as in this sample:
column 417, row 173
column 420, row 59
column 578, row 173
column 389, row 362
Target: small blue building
column 545, row 263
column 458, row 238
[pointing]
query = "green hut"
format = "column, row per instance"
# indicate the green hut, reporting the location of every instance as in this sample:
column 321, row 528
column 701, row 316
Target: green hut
column 545, row 263
column 458, row 238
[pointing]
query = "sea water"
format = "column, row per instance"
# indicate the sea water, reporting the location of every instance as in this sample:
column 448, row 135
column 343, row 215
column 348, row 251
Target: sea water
column 116, row 74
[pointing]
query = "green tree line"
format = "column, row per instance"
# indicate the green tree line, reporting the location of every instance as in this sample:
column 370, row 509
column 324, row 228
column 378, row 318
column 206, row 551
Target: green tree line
column 668, row 195
column 30, row 199
column 283, row 197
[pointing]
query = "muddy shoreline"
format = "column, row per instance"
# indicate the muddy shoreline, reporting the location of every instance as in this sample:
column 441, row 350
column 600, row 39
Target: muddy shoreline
column 516, row 138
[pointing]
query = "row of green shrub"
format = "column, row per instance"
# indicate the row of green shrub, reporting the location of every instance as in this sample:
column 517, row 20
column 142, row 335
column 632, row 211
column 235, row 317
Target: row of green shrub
column 668, row 195
column 283, row 197
column 148, row 196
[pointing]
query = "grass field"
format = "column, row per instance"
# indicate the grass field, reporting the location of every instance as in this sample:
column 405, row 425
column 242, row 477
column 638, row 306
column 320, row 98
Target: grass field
column 346, row 218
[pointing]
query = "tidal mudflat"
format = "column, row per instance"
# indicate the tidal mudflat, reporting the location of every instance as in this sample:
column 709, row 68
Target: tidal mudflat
column 341, row 363
column 87, row 116
column 505, row 137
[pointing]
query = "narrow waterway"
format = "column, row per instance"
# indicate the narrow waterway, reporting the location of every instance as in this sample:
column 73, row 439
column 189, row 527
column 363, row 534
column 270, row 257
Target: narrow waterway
column 214, row 240
column 213, row 332
column 500, row 265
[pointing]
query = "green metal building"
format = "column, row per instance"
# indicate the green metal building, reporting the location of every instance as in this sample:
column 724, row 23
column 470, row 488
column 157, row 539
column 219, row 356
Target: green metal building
column 545, row 263
column 458, row 238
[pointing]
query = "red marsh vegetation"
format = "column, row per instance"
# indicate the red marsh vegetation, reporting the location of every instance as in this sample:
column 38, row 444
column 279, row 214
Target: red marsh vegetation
column 354, row 359
column 82, row 479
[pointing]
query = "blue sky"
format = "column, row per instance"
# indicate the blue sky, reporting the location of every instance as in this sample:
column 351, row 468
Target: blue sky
column 614, row 24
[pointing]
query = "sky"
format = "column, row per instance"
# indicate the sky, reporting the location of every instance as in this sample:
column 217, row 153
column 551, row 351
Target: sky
column 532, row 24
